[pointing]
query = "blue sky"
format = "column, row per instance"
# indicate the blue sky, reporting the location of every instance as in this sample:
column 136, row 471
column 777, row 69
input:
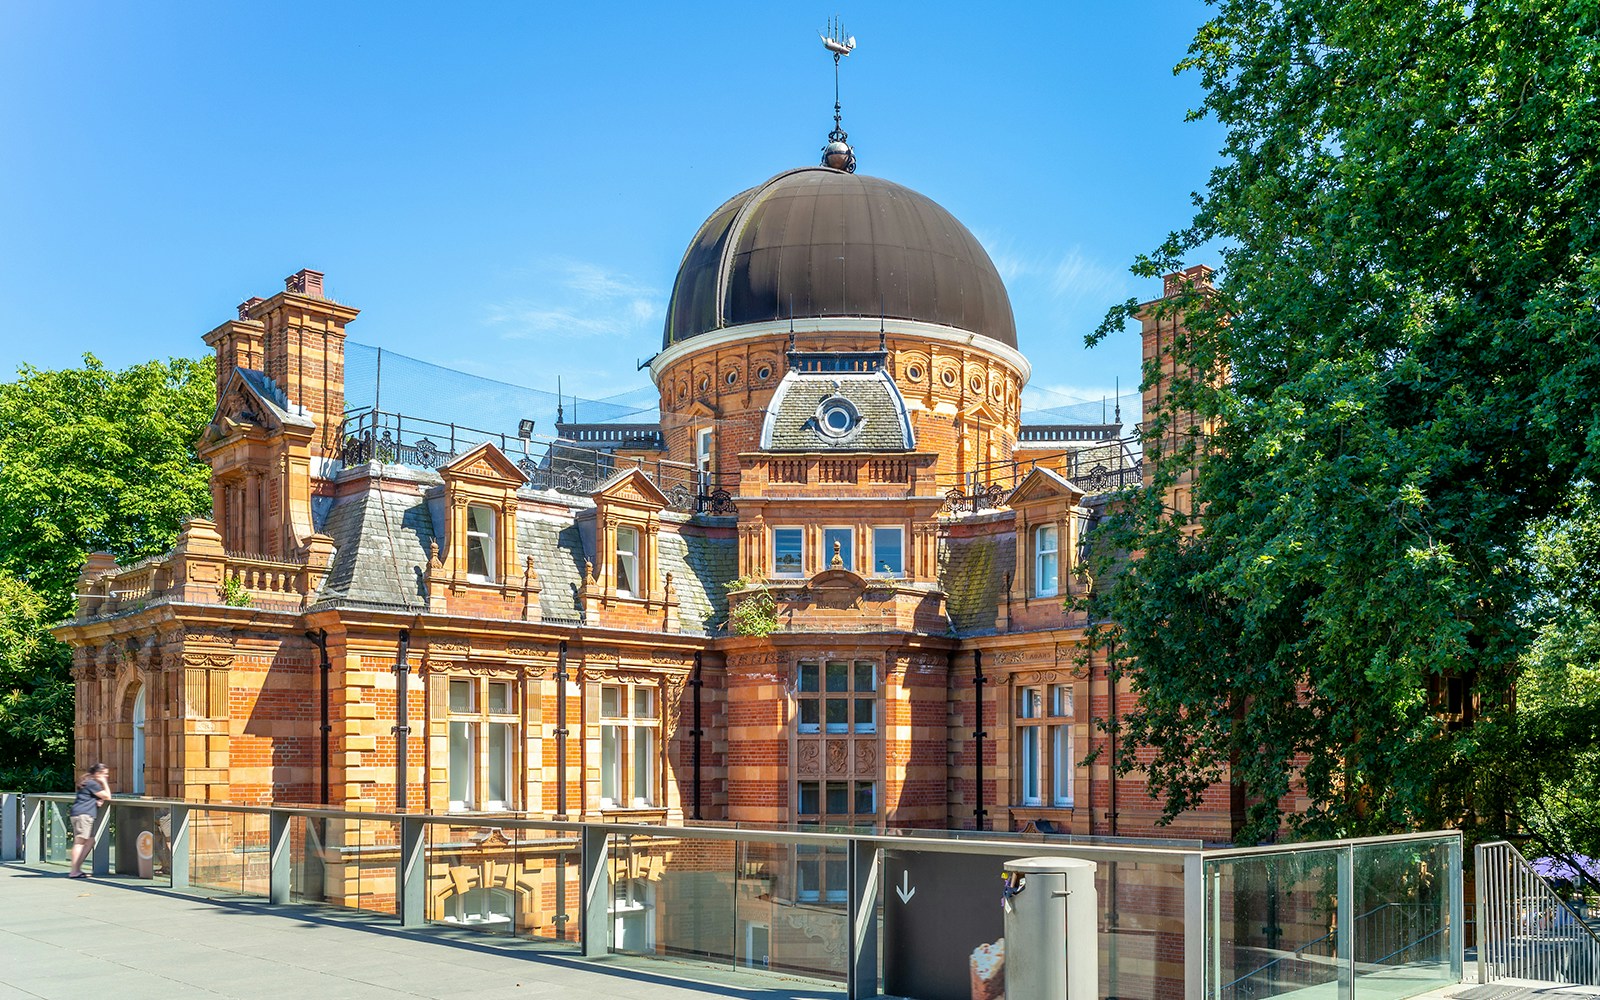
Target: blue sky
column 508, row 189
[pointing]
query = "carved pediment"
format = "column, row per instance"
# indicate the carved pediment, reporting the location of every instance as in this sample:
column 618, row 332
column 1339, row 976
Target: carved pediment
column 486, row 462
column 1043, row 485
column 631, row 488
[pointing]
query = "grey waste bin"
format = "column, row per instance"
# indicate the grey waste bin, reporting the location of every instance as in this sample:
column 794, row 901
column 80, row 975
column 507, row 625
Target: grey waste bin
column 1050, row 930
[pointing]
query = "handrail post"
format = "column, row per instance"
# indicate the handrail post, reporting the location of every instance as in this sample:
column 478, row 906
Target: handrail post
column 277, row 856
column 1194, row 927
column 33, row 809
column 1345, row 935
column 178, row 848
column 10, row 825
column 1458, row 917
column 100, row 853
column 595, row 896
column 410, row 871
column 861, row 972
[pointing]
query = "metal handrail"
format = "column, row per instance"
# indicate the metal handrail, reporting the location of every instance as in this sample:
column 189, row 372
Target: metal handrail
column 1526, row 930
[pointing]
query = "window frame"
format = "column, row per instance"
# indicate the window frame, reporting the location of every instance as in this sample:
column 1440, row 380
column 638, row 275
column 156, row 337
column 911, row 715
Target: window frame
column 626, row 732
column 800, row 572
column 478, row 723
column 1042, row 717
column 899, row 530
column 487, row 540
column 633, row 559
column 851, row 695
column 1042, row 587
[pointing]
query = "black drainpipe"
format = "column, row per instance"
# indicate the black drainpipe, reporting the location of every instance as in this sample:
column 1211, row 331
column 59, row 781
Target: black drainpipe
column 561, row 731
column 978, row 735
column 319, row 638
column 696, row 732
column 402, row 729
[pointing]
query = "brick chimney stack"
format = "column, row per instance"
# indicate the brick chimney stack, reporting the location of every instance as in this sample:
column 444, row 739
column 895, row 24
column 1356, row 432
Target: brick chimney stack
column 303, row 352
column 304, row 282
column 1160, row 331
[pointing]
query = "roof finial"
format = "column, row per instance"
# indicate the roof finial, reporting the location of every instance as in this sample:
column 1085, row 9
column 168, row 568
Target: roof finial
column 837, row 153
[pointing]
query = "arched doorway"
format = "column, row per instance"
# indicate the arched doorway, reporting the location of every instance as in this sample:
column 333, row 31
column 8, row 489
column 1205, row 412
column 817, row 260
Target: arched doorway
column 136, row 765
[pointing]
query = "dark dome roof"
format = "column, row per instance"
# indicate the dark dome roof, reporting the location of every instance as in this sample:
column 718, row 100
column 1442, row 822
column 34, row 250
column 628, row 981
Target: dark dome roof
column 836, row 244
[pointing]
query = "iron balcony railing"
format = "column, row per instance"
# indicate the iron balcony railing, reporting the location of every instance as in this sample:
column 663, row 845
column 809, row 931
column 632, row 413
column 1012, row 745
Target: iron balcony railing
column 1525, row 929
column 371, row 435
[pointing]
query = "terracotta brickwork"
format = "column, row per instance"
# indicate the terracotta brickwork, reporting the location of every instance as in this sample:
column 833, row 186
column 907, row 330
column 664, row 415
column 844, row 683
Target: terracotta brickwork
column 549, row 648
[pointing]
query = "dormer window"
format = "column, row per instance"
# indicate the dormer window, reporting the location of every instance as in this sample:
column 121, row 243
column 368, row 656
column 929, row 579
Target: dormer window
column 480, row 544
column 627, row 561
column 1046, row 561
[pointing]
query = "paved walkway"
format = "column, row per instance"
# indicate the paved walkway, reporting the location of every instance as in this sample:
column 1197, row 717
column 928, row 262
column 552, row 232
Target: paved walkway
column 105, row 938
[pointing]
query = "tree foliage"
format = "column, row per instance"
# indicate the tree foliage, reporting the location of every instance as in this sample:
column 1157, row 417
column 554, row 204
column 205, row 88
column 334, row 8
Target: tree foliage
column 90, row 460
column 1402, row 355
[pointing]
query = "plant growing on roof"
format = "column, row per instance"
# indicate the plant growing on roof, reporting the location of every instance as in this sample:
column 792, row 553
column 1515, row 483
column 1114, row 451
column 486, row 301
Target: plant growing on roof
column 233, row 593
column 755, row 613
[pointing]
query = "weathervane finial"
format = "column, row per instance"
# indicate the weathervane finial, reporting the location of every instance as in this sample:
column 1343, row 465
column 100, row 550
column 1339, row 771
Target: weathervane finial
column 837, row 153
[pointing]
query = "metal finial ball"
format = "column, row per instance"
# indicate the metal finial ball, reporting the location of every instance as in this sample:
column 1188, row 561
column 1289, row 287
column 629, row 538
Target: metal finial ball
column 839, row 156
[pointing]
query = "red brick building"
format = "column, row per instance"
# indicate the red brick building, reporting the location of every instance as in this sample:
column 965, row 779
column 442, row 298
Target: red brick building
column 832, row 586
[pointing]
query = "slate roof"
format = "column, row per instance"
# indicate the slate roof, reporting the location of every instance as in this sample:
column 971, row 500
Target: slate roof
column 380, row 549
column 700, row 566
column 973, row 574
column 273, row 397
column 791, row 422
column 557, row 551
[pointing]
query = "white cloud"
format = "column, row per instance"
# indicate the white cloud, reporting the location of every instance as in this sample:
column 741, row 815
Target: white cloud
column 578, row 298
column 1070, row 277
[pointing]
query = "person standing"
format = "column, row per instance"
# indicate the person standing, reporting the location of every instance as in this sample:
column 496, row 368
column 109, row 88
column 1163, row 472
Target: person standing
column 94, row 791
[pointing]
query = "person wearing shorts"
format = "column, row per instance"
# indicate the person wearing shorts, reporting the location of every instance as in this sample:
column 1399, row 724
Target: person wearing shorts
column 93, row 792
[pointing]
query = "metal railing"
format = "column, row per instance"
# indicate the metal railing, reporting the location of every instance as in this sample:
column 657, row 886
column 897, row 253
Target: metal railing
column 370, row 435
column 690, row 893
column 1526, row 930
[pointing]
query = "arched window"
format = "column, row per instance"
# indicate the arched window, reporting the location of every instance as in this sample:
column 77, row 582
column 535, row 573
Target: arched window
column 481, row 906
column 137, row 778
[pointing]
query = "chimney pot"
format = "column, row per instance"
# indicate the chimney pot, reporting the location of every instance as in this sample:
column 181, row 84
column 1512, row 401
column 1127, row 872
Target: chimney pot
column 247, row 305
column 305, row 282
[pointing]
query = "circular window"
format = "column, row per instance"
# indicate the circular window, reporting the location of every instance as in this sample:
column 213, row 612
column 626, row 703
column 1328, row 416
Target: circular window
column 975, row 384
column 683, row 391
column 948, row 377
column 914, row 373
column 705, row 383
column 732, row 378
column 837, row 416
column 763, row 373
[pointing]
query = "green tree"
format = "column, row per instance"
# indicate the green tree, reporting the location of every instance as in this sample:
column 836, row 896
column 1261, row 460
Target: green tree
column 1403, row 356
column 90, row 460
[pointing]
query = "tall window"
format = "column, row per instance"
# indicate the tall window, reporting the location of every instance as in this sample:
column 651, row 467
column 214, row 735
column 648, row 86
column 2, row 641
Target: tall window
column 788, row 552
column 627, row 561
column 703, row 457
column 822, row 873
column 483, row 727
column 630, row 719
column 842, row 541
column 1043, row 730
column 1046, row 563
column 837, row 694
column 480, row 544
column 888, row 551
column 136, row 779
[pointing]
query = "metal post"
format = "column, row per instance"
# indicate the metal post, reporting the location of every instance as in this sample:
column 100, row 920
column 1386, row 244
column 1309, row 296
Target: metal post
column 10, row 825
column 561, row 731
column 411, row 872
column 100, row 853
column 595, row 898
column 978, row 734
column 1458, row 920
column 1345, row 936
column 402, row 728
column 178, row 846
column 33, row 809
column 697, row 732
column 861, row 972
column 1194, row 925
column 277, row 856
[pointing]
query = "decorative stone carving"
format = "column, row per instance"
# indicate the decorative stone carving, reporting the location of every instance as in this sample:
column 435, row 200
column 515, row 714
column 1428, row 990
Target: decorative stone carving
column 866, row 758
column 838, row 757
column 810, row 758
